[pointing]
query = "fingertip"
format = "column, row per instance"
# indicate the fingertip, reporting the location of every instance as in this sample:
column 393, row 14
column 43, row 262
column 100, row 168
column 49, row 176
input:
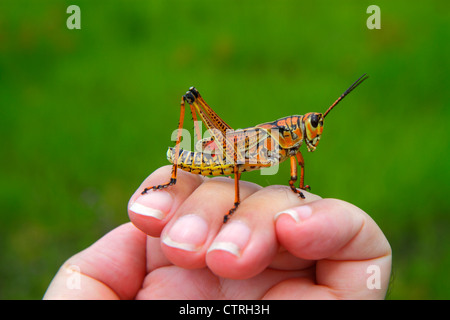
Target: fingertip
column 318, row 229
column 184, row 240
column 240, row 252
column 224, row 254
column 148, row 211
column 151, row 211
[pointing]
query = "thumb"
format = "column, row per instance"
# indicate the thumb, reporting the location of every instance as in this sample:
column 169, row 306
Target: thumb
column 344, row 240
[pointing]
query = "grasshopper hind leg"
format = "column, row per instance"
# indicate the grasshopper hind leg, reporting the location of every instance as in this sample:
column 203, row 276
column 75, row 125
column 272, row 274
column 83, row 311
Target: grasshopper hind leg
column 172, row 182
column 161, row 186
column 190, row 96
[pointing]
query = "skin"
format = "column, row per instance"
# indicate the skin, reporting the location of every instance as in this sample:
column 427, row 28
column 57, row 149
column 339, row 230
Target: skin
column 314, row 249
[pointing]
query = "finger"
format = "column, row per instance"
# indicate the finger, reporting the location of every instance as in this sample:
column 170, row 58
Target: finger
column 112, row 268
column 150, row 212
column 248, row 244
column 155, row 257
column 187, row 236
column 346, row 242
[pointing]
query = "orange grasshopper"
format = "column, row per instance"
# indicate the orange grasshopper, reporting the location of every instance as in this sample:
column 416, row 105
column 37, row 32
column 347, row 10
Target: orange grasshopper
column 230, row 151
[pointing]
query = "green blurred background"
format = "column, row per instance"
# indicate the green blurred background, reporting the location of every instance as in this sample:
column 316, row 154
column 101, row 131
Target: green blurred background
column 87, row 114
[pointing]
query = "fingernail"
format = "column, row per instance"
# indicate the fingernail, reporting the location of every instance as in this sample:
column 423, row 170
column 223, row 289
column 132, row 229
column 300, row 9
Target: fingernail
column 188, row 233
column 233, row 238
column 154, row 204
column 298, row 214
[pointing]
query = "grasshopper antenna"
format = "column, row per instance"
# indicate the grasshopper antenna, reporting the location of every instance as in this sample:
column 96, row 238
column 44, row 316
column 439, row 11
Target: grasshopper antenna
column 353, row 86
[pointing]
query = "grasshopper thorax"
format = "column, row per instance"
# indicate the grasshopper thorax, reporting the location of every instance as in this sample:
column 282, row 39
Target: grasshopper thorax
column 312, row 129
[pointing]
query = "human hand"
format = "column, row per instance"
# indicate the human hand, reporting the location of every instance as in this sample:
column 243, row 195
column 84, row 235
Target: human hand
column 312, row 249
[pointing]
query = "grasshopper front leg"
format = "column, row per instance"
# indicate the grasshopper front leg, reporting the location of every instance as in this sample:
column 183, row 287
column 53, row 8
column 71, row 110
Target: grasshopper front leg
column 294, row 159
column 294, row 177
column 301, row 162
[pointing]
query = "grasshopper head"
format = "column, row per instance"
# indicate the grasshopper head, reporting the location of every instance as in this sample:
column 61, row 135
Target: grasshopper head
column 313, row 124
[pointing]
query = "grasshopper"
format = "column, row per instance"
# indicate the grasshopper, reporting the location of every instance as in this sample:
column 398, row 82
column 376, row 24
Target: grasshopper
column 231, row 152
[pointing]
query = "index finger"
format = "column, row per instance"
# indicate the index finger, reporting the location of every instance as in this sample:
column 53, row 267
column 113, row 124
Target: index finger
column 150, row 212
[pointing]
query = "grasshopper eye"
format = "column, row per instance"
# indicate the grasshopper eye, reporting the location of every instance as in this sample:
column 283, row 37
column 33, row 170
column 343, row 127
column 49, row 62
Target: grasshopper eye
column 314, row 120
